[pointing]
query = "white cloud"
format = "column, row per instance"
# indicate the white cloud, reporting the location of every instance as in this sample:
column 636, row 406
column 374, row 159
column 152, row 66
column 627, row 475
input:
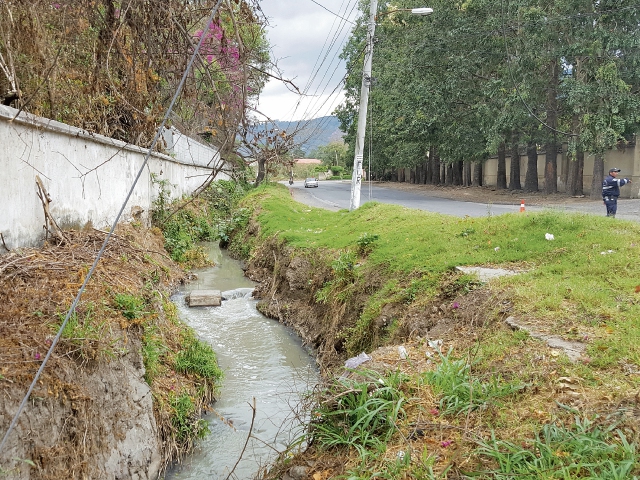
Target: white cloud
column 301, row 34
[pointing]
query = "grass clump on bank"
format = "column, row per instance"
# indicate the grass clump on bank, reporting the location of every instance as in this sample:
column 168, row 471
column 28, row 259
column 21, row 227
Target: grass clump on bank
column 501, row 403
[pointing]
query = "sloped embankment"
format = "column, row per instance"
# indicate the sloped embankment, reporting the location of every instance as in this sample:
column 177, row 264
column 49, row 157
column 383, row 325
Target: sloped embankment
column 122, row 393
column 449, row 389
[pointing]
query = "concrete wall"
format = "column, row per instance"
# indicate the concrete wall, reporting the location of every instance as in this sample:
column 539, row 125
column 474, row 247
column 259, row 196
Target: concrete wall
column 87, row 176
column 627, row 160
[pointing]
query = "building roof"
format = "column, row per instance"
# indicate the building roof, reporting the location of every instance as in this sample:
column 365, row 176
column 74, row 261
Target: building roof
column 308, row 161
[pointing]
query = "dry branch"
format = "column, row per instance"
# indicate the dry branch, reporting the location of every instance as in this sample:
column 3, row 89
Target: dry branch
column 50, row 224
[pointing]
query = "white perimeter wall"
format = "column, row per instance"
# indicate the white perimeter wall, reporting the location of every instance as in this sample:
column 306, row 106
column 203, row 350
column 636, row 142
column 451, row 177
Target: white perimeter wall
column 87, row 176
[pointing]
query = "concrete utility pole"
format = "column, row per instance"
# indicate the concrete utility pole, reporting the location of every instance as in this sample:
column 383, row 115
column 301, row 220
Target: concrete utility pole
column 356, row 178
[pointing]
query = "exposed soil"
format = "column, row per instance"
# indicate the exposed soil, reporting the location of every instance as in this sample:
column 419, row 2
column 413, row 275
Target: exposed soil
column 92, row 414
column 492, row 195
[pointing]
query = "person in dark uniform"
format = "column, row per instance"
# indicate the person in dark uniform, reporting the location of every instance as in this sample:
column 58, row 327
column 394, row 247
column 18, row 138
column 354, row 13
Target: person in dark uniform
column 611, row 190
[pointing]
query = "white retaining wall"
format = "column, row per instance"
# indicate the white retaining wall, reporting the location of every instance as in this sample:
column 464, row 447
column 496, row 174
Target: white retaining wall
column 87, row 176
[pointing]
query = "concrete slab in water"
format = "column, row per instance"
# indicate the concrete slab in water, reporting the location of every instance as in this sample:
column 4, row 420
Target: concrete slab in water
column 204, row 298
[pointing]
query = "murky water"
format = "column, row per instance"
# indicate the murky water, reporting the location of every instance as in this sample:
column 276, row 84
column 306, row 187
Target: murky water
column 261, row 359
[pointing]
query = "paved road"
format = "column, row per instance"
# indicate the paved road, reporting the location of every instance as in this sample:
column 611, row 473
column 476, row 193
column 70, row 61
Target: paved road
column 334, row 195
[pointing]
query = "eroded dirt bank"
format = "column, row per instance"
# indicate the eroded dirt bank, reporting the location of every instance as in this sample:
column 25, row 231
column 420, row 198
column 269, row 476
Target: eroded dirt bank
column 103, row 406
column 289, row 282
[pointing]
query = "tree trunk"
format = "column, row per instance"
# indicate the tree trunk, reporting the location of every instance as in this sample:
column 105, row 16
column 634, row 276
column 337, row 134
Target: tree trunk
column 448, row 174
column 572, row 172
column 466, row 173
column 501, row 178
column 435, row 178
column 261, row 171
column 580, row 174
column 425, row 170
column 429, row 174
column 514, row 174
column 457, row 172
column 477, row 174
column 551, row 157
column 412, row 175
column 598, row 177
column 531, row 177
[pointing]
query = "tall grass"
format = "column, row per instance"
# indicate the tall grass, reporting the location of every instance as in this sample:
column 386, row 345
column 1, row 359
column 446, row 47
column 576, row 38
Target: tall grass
column 359, row 414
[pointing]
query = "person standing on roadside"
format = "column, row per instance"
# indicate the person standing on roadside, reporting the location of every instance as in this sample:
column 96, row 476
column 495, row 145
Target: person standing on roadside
column 611, row 190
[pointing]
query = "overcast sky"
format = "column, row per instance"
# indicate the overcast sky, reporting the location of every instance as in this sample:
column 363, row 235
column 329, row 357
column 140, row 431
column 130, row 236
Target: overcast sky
column 306, row 39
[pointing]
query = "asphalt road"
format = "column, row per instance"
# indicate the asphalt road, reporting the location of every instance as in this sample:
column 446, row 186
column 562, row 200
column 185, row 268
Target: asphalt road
column 335, row 195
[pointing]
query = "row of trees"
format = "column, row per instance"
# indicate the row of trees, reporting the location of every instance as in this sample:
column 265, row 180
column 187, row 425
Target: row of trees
column 485, row 77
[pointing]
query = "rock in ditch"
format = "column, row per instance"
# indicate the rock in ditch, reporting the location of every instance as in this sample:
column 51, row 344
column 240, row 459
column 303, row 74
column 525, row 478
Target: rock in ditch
column 204, row 298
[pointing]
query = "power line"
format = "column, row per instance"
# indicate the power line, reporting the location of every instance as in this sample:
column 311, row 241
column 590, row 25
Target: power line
column 108, row 237
column 333, row 13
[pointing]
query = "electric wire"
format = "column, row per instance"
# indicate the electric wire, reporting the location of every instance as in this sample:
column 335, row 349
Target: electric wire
column 332, row 13
column 109, row 235
column 339, row 29
column 336, row 54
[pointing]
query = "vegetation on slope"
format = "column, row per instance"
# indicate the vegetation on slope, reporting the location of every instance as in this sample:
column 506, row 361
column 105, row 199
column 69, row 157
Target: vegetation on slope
column 125, row 317
column 470, row 396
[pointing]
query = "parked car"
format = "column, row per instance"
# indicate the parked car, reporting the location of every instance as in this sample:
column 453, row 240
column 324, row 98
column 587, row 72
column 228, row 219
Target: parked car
column 310, row 182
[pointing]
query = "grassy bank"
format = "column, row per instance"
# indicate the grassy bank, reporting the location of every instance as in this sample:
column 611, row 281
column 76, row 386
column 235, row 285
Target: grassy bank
column 470, row 397
column 124, row 326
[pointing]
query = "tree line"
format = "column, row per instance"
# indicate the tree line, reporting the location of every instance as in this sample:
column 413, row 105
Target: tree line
column 484, row 77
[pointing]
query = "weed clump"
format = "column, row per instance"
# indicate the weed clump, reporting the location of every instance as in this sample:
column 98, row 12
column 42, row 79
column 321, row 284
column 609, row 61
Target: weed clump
column 209, row 217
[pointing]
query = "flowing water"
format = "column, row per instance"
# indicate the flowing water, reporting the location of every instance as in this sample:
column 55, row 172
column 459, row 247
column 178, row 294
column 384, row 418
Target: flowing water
column 261, row 359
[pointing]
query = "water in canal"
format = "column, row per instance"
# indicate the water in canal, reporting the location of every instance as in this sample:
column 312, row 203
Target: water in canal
column 261, row 359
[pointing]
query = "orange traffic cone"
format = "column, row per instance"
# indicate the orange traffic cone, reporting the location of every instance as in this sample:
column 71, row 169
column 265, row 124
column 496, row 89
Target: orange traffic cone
column 522, row 206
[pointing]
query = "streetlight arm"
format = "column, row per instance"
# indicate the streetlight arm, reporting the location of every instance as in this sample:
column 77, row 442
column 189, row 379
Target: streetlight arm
column 422, row 11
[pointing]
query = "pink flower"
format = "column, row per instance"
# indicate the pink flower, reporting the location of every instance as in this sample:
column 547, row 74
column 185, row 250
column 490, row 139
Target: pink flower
column 446, row 443
column 434, row 412
column 455, row 305
column 37, row 356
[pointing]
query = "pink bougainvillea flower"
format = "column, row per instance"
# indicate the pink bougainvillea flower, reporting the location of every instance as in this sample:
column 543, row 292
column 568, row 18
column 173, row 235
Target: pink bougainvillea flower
column 37, row 356
column 446, row 443
column 55, row 5
column 455, row 305
column 434, row 412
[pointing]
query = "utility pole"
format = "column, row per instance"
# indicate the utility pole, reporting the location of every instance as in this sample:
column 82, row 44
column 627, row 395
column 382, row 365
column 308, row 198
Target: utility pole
column 356, row 178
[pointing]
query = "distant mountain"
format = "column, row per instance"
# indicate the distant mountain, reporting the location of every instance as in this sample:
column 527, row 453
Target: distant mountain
column 313, row 133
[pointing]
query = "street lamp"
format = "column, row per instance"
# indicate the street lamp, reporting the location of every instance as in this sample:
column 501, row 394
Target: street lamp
column 356, row 178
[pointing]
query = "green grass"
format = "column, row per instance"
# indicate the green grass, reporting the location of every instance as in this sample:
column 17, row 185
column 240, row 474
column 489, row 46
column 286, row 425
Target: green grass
column 197, row 358
column 585, row 450
column 188, row 426
column 461, row 392
column 360, row 413
column 567, row 279
column 131, row 306
column 153, row 349
column 82, row 329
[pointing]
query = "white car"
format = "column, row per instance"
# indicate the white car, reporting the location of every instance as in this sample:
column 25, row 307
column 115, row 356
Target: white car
column 310, row 182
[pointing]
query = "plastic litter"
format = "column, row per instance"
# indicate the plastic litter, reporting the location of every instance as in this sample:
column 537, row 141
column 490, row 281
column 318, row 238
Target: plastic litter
column 403, row 352
column 354, row 362
column 549, row 236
